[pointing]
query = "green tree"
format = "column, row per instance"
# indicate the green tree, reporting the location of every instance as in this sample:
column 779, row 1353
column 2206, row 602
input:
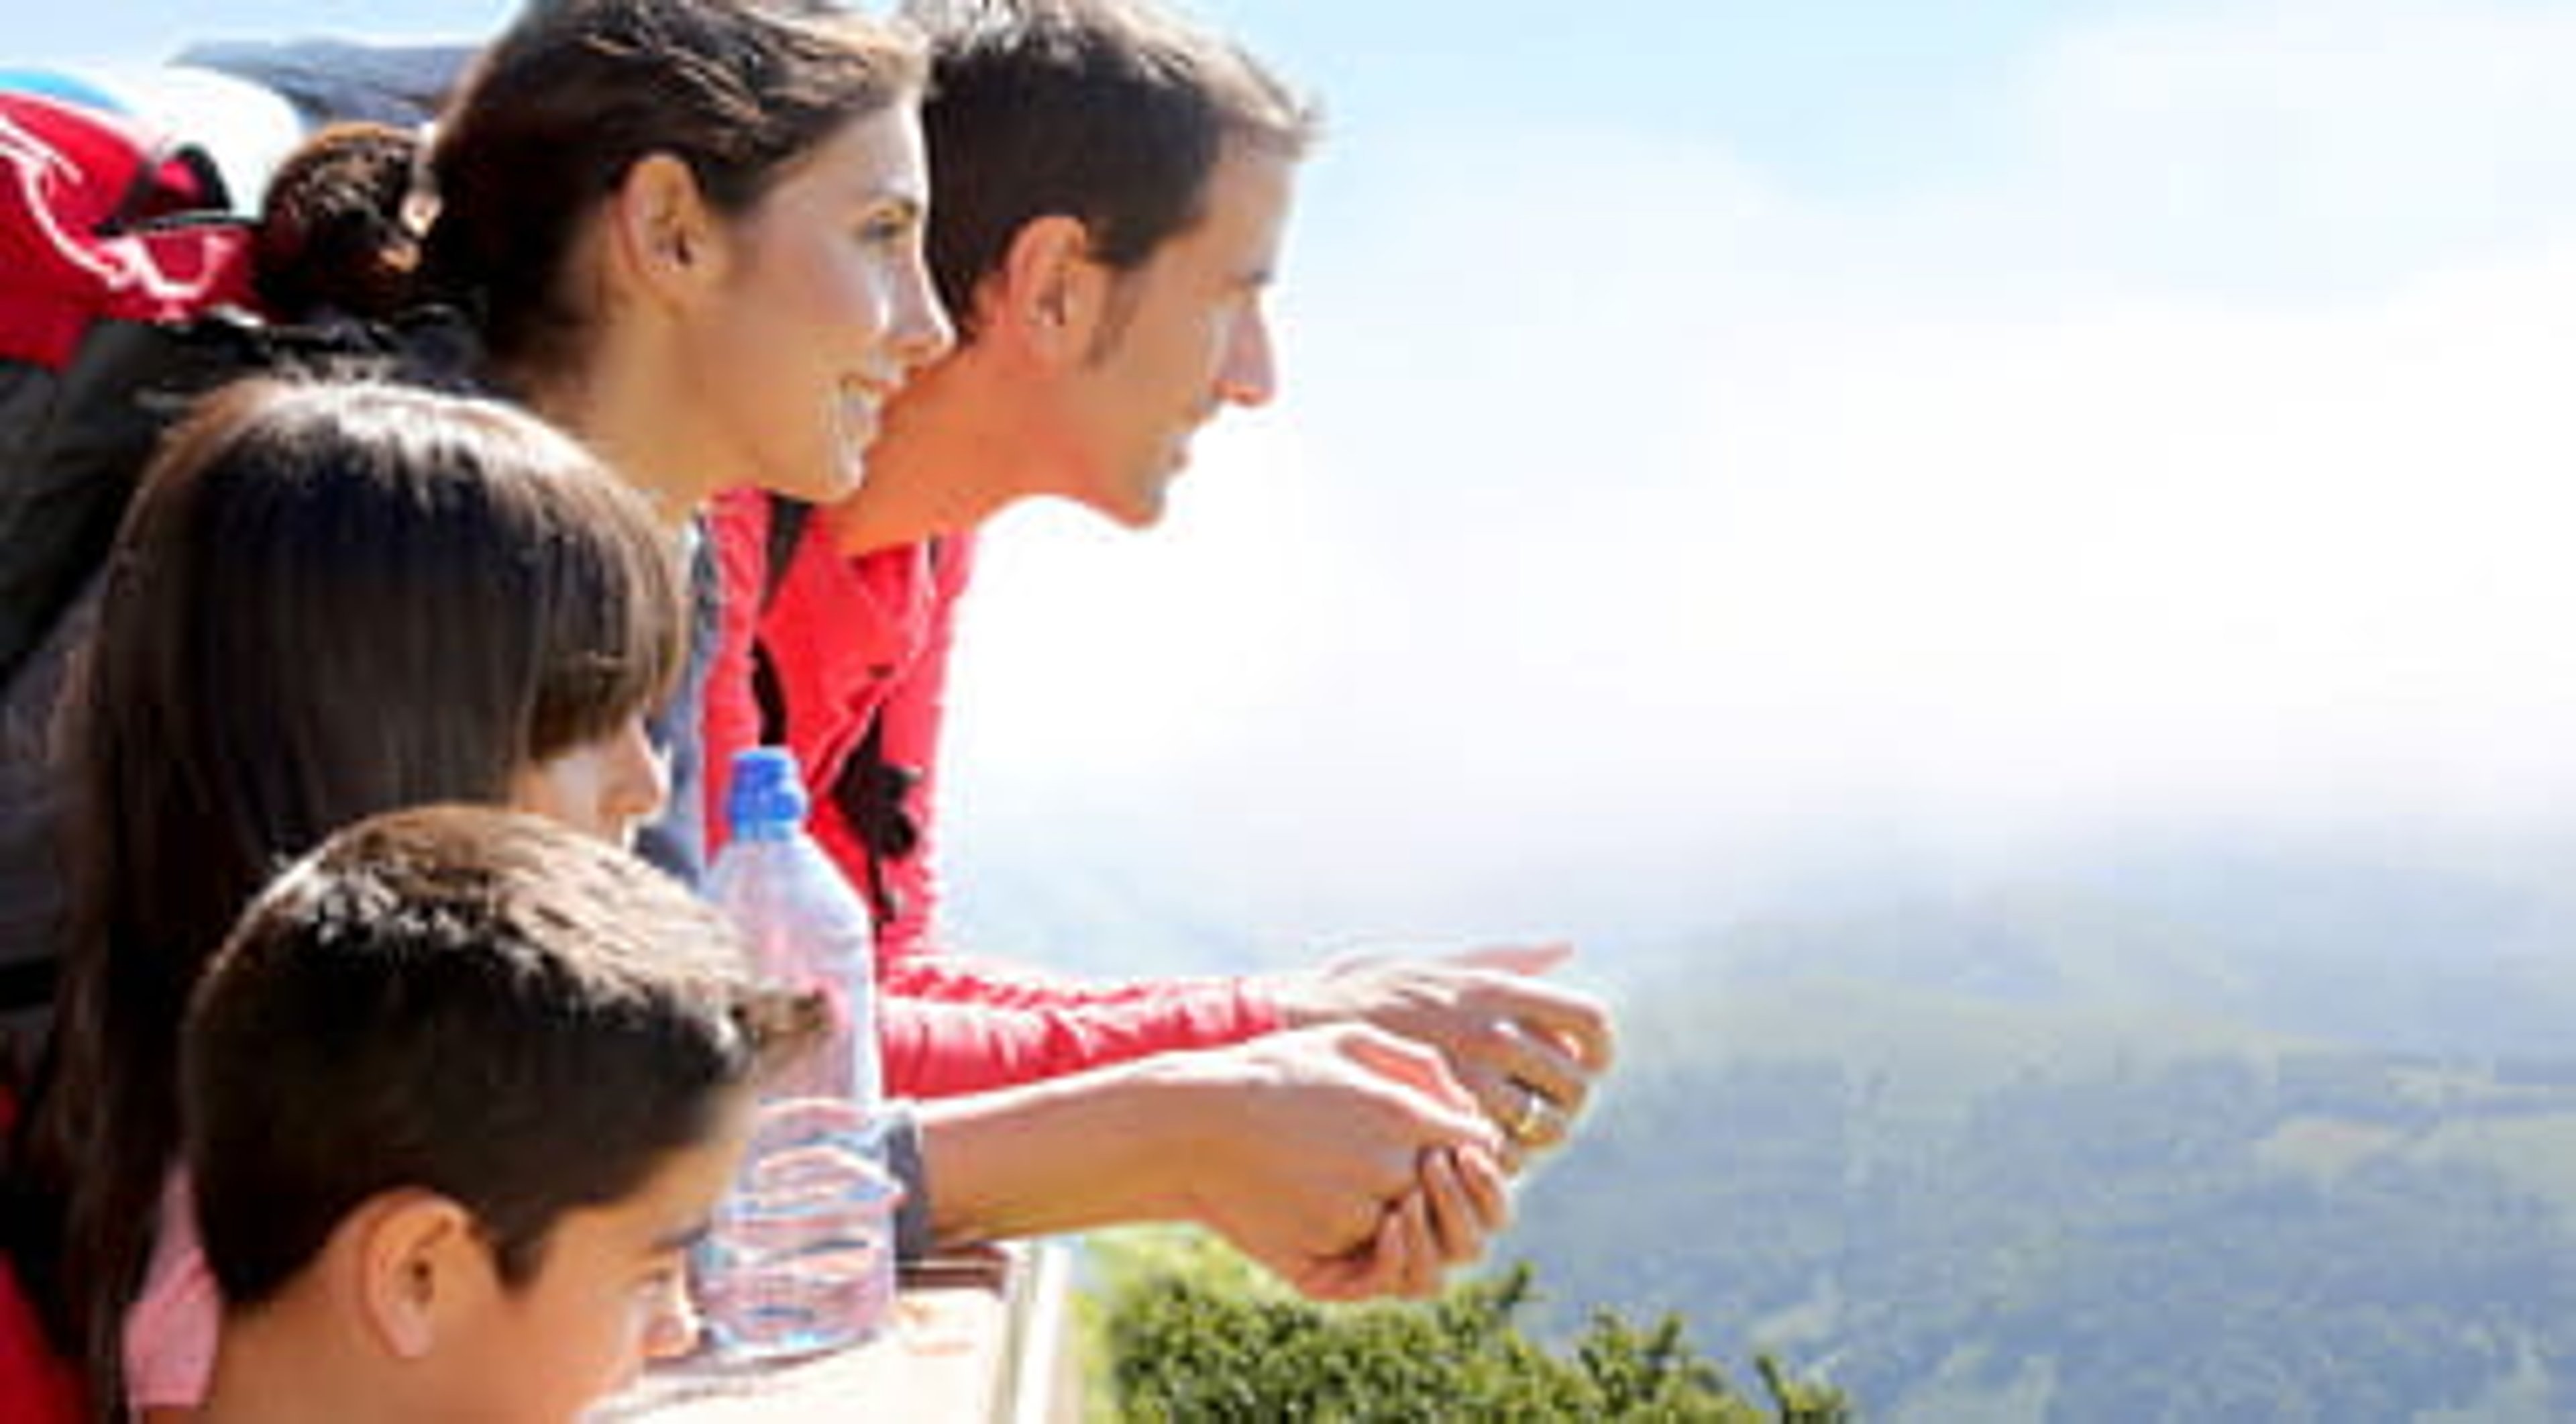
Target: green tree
column 1185, row 1334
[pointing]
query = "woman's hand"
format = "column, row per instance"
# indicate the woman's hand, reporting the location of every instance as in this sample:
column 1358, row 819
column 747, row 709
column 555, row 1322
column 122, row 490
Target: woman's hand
column 1347, row 1160
column 1446, row 1222
column 1457, row 1202
column 1312, row 1153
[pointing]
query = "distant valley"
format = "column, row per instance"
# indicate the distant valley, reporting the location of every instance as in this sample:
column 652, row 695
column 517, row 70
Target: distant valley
column 2288, row 1146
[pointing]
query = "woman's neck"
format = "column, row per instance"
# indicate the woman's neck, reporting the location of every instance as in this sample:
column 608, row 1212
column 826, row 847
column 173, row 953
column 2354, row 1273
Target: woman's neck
column 624, row 417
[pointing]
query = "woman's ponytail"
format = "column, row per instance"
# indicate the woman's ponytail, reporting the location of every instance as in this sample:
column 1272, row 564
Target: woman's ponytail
column 341, row 227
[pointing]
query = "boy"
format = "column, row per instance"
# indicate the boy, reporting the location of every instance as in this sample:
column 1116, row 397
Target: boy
column 461, row 1091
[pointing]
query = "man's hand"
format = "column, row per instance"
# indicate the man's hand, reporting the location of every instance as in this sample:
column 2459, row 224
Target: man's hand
column 1505, row 1033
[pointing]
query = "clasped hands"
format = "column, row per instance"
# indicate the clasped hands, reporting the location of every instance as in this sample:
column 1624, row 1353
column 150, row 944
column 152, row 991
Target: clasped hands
column 1452, row 1070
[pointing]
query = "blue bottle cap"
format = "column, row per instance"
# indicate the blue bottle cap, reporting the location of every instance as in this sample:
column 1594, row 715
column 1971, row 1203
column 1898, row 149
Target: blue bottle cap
column 767, row 792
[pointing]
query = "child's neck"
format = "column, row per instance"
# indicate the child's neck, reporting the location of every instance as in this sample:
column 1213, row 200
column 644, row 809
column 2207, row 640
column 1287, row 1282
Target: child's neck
column 271, row 1370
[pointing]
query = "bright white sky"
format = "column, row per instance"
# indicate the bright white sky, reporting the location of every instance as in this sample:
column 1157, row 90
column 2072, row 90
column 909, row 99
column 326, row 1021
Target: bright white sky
column 1716, row 433
column 1655, row 510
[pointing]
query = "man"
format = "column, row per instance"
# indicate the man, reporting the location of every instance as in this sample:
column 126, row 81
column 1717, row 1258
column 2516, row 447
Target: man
column 1110, row 191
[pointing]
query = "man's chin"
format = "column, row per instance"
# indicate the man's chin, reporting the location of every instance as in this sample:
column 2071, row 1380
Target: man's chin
column 1154, row 497
column 1137, row 504
column 1130, row 511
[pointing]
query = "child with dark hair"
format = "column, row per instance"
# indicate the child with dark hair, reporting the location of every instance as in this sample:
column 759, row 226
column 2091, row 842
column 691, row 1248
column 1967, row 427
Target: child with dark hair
column 461, row 1090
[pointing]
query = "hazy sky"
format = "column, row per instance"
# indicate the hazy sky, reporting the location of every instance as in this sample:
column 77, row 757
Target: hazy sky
column 1715, row 430
column 1709, row 446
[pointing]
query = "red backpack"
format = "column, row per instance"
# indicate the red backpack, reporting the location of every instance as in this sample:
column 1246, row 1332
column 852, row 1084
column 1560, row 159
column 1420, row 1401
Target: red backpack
column 105, row 227
column 113, row 240
column 101, row 219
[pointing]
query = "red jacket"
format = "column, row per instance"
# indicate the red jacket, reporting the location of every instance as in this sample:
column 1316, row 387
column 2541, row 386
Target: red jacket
column 856, row 640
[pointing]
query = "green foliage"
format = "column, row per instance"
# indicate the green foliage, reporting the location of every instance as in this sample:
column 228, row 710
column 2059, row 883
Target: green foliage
column 1187, row 1334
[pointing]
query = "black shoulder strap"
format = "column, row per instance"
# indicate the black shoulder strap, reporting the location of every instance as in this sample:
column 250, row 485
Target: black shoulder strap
column 874, row 794
column 151, row 201
column 787, row 521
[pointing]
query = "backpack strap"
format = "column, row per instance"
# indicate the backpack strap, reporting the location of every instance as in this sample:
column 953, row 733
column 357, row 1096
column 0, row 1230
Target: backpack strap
column 874, row 796
column 176, row 185
column 787, row 521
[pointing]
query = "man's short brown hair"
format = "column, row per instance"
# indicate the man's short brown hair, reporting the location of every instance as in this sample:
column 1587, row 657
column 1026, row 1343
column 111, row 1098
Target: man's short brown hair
column 1109, row 111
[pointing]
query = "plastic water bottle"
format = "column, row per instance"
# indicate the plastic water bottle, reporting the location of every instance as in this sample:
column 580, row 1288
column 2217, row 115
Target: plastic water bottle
column 801, row 1257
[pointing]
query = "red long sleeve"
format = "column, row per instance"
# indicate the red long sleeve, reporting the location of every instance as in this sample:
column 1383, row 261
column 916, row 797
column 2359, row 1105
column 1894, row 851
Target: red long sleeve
column 856, row 640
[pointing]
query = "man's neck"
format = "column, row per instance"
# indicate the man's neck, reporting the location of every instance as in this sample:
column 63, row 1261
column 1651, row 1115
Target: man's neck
column 957, row 446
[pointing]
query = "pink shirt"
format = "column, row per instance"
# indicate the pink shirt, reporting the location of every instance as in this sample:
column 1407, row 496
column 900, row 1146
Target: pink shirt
column 171, row 1328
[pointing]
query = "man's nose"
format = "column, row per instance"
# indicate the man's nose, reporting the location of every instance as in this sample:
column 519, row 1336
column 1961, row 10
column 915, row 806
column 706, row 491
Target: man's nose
column 1249, row 377
column 673, row 1330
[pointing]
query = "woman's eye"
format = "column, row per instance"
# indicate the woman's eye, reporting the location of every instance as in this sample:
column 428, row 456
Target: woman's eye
column 886, row 228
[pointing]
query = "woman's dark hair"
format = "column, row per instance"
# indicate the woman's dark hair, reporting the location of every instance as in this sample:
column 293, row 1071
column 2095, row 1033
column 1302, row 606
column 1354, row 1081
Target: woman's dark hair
column 564, row 104
column 328, row 600
column 336, row 226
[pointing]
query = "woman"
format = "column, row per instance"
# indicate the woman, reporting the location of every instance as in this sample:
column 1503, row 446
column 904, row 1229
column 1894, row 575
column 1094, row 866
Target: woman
column 690, row 234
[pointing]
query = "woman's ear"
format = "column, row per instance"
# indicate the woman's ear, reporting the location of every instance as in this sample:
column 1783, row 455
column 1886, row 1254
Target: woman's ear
column 661, row 231
column 418, row 1268
column 1048, row 293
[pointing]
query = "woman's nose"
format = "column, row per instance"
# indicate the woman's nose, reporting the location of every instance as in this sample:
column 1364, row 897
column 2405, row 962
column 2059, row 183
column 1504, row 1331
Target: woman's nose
column 922, row 331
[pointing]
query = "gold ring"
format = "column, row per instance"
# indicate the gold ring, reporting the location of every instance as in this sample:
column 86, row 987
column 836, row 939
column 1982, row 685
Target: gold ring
column 1525, row 1124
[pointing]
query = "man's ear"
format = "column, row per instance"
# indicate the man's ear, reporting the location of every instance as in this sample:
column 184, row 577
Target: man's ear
column 1048, row 293
column 417, row 1266
column 661, row 231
